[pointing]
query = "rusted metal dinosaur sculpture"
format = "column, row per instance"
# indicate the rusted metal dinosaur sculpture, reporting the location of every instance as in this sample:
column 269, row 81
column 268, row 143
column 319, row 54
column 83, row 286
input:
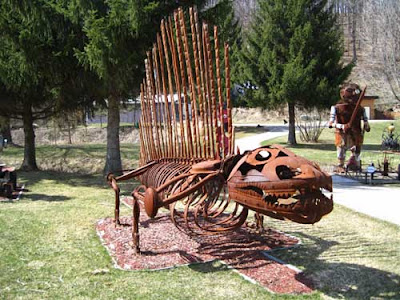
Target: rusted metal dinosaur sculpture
column 187, row 155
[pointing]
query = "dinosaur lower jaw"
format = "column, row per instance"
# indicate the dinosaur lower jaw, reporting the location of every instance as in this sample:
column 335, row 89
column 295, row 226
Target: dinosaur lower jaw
column 305, row 206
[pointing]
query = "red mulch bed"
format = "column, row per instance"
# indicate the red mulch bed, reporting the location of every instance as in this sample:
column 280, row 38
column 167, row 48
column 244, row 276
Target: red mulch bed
column 164, row 246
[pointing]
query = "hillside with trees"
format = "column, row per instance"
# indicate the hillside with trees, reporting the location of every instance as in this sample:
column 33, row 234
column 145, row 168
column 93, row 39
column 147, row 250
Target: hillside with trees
column 371, row 31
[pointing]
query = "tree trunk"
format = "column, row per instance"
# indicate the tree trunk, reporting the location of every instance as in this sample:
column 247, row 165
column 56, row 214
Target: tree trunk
column 29, row 163
column 292, row 128
column 68, row 121
column 113, row 159
column 6, row 129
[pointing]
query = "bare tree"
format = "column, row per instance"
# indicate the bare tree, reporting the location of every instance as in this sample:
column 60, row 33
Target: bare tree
column 244, row 10
column 381, row 31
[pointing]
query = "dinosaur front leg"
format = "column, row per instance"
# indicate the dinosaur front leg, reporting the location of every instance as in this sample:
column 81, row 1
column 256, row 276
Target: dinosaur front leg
column 135, row 225
column 113, row 183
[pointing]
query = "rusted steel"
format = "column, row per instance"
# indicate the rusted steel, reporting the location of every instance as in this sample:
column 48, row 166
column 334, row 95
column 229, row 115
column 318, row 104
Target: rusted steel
column 185, row 151
column 228, row 98
column 159, row 99
column 358, row 104
column 197, row 165
column 192, row 16
column 220, row 126
column 181, row 34
column 346, row 117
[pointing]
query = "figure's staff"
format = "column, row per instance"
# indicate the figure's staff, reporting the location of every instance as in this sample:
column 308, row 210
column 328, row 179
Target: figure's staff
column 353, row 116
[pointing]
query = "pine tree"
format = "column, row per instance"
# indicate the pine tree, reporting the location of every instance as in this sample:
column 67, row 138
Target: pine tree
column 229, row 31
column 293, row 54
column 38, row 69
column 118, row 34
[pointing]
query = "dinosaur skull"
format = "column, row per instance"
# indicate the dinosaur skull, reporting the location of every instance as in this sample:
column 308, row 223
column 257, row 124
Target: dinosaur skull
column 275, row 182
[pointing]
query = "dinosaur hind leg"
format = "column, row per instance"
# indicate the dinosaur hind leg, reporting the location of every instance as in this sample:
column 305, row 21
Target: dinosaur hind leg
column 259, row 222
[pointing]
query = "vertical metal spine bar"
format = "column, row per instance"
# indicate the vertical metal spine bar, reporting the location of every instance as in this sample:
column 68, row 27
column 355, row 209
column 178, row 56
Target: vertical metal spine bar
column 213, row 108
column 163, row 111
column 194, row 27
column 150, row 137
column 208, row 93
column 144, row 121
column 149, row 112
column 220, row 129
column 175, row 145
column 177, row 75
column 143, row 157
column 233, row 140
column 167, row 113
column 202, row 84
column 144, row 125
column 184, row 85
column 191, row 82
column 159, row 104
column 152, row 89
column 195, row 121
column 228, row 99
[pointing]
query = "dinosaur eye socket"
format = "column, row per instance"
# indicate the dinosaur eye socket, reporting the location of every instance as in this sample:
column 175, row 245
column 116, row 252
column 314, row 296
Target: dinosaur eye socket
column 284, row 172
column 263, row 155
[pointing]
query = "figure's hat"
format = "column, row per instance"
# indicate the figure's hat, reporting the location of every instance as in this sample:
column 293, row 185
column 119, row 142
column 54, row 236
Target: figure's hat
column 350, row 91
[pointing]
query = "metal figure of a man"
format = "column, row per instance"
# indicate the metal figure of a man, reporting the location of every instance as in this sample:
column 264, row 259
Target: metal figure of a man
column 346, row 117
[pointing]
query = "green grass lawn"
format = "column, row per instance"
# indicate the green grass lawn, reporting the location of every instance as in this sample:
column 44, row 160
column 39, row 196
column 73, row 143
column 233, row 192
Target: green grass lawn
column 75, row 158
column 49, row 248
column 324, row 152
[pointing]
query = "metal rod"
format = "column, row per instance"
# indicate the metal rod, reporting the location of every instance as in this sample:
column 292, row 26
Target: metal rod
column 175, row 146
column 190, row 80
column 167, row 112
column 221, row 131
column 184, row 85
column 177, row 78
column 161, row 122
column 228, row 98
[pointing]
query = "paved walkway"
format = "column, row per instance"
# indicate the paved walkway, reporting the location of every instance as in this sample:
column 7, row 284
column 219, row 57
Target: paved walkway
column 254, row 141
column 376, row 201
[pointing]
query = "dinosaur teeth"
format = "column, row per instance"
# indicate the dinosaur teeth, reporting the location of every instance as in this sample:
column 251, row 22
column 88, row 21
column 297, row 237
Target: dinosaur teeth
column 325, row 192
column 328, row 187
column 287, row 201
column 297, row 193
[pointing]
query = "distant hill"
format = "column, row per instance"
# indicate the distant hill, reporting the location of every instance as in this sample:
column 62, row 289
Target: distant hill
column 358, row 18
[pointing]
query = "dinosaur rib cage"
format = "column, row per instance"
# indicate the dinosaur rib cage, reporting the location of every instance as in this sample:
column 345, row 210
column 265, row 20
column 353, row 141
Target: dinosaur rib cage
column 204, row 211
